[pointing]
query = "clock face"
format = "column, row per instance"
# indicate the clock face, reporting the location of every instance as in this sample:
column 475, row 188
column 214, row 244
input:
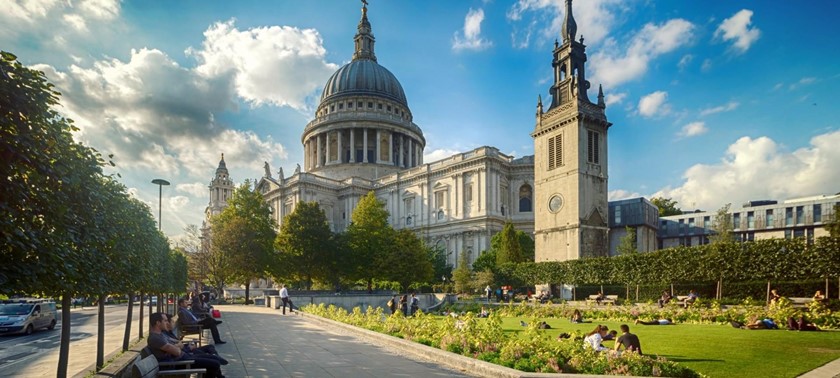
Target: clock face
column 555, row 203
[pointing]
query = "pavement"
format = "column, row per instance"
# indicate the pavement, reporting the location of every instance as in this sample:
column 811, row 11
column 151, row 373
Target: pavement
column 263, row 343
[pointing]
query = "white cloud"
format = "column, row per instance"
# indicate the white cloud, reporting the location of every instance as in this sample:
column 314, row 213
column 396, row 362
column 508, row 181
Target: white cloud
column 178, row 202
column 595, row 18
column 730, row 106
column 620, row 194
column 612, row 67
column 707, row 65
column 684, row 61
column 279, row 65
column 737, row 29
column 470, row 37
column 195, row 189
column 614, row 98
column 37, row 18
column 758, row 169
column 693, row 129
column 778, row 86
column 439, row 154
column 654, row 104
column 802, row 82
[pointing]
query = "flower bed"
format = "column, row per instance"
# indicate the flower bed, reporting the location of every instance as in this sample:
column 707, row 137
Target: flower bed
column 531, row 350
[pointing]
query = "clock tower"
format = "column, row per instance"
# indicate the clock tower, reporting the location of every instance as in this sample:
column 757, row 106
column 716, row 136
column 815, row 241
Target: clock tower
column 570, row 159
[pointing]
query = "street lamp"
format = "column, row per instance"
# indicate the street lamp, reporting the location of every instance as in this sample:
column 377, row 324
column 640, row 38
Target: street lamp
column 160, row 183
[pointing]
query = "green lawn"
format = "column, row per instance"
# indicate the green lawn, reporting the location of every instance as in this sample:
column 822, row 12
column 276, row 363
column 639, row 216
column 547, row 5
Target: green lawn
column 721, row 351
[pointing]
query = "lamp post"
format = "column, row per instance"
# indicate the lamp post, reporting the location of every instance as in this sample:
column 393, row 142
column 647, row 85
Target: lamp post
column 160, row 183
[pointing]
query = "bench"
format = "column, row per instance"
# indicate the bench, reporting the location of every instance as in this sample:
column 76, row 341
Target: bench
column 148, row 367
column 607, row 299
column 181, row 330
column 800, row 302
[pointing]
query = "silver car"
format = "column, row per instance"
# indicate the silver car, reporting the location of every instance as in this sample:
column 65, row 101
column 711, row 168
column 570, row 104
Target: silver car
column 25, row 316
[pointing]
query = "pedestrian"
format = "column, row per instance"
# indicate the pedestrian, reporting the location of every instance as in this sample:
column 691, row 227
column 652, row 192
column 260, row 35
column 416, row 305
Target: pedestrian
column 415, row 303
column 393, row 303
column 488, row 292
column 284, row 296
column 404, row 304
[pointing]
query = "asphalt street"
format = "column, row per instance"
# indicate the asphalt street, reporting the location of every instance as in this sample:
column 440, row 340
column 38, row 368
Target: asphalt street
column 36, row 355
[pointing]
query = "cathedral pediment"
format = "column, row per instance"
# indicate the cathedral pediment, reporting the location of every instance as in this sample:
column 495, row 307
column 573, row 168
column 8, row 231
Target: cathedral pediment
column 595, row 219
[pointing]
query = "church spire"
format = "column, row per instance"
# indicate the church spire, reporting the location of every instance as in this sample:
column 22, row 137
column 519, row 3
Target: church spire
column 364, row 38
column 601, row 102
column 569, row 28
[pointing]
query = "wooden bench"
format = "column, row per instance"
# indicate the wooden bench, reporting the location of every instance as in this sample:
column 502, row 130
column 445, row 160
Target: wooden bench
column 800, row 302
column 148, row 367
column 607, row 299
column 181, row 330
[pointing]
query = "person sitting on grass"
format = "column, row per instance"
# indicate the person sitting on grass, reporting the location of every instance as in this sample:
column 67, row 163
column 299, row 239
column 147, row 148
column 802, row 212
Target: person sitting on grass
column 611, row 335
column 628, row 340
column 577, row 317
column 593, row 339
column 484, row 313
column 666, row 321
column 801, row 325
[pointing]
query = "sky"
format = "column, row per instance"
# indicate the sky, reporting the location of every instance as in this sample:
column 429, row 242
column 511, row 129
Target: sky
column 712, row 102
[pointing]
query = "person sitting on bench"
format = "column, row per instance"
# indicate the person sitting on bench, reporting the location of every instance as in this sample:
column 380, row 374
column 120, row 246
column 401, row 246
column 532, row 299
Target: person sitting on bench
column 164, row 351
column 188, row 318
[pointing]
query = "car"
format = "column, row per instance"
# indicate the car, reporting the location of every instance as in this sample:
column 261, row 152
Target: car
column 153, row 299
column 27, row 315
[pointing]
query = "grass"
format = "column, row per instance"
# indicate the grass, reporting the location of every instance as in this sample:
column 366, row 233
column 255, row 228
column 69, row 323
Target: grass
column 720, row 351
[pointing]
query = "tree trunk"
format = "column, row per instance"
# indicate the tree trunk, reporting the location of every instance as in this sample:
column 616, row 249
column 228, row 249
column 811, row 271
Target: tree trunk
column 672, row 289
column 637, row 293
column 64, row 344
column 140, row 318
column 370, row 285
column 826, row 289
column 247, row 292
column 127, row 336
column 100, row 334
column 627, row 292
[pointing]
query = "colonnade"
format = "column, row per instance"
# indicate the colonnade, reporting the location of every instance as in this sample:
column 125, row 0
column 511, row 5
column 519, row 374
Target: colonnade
column 362, row 145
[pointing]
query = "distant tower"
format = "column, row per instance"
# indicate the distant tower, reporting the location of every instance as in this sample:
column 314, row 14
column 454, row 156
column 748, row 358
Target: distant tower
column 570, row 160
column 221, row 188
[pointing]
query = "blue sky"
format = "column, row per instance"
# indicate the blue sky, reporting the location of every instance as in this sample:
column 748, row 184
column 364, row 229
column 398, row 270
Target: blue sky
column 711, row 102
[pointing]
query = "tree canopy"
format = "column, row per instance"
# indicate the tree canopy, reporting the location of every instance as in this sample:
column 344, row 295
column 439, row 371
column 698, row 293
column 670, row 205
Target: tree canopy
column 667, row 206
column 369, row 236
column 304, row 245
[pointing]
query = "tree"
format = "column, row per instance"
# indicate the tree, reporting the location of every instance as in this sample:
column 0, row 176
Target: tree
column 667, row 206
column 438, row 256
column 833, row 226
column 304, row 245
column 627, row 243
column 509, row 248
column 369, row 237
column 244, row 233
column 486, row 260
column 462, row 275
column 407, row 261
column 722, row 228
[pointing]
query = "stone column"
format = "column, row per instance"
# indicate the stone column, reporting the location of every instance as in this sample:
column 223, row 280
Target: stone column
column 338, row 134
column 364, row 145
column 318, row 151
column 377, row 147
column 412, row 153
column 391, row 148
column 327, row 148
column 481, row 181
column 353, row 145
column 401, row 158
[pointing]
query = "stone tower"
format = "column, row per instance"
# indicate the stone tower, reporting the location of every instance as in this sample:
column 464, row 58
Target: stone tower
column 221, row 188
column 570, row 159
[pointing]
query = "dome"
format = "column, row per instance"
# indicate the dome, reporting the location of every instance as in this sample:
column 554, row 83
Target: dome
column 364, row 77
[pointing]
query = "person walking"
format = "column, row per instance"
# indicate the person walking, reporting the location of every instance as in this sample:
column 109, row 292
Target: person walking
column 284, row 296
column 404, row 304
column 415, row 303
column 489, row 293
column 393, row 303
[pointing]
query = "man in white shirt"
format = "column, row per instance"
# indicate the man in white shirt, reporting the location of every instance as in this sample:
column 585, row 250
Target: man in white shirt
column 284, row 296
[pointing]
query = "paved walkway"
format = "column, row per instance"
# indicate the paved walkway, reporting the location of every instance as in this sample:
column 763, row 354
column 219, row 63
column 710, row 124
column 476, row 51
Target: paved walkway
column 263, row 343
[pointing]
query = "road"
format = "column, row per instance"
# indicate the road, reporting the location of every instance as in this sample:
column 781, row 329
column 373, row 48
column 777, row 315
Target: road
column 36, row 355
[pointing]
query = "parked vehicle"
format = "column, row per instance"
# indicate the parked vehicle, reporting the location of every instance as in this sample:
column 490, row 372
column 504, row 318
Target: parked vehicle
column 26, row 315
column 153, row 299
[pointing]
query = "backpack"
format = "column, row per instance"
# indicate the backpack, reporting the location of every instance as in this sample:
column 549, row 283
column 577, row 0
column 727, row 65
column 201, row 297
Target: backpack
column 391, row 302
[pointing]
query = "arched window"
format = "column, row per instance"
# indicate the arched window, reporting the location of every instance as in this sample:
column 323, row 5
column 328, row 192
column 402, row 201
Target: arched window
column 525, row 193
